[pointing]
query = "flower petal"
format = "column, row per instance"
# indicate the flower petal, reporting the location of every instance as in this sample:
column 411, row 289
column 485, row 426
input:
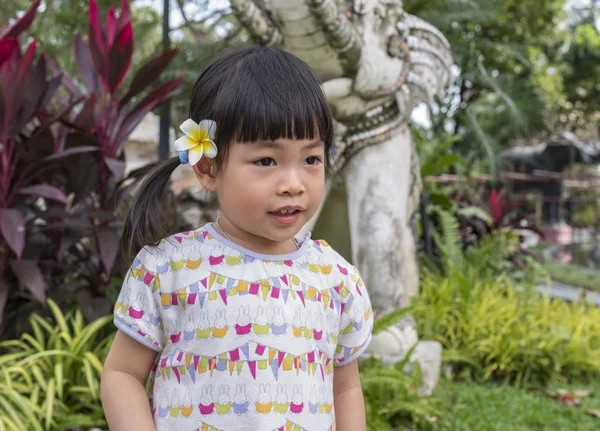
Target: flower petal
column 195, row 154
column 191, row 129
column 185, row 143
column 210, row 148
column 207, row 129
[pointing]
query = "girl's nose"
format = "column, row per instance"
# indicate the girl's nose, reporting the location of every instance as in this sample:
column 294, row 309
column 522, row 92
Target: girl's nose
column 290, row 183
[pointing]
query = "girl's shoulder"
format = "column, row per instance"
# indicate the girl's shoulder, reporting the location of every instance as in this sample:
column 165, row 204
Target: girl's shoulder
column 193, row 242
column 325, row 254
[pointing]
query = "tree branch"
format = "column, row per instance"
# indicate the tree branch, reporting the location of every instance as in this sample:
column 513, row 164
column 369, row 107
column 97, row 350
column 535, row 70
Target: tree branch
column 187, row 22
column 192, row 25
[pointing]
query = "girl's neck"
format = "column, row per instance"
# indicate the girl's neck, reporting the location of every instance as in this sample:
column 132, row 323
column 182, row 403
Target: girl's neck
column 253, row 242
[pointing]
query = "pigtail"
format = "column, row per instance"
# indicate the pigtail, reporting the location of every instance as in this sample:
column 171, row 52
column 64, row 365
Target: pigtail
column 145, row 224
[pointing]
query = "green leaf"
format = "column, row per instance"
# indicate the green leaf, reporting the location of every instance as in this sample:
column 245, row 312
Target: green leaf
column 390, row 319
column 50, row 397
column 476, row 212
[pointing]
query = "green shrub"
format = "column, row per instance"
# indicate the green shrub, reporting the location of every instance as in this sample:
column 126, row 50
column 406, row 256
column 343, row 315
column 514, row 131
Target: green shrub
column 391, row 393
column 50, row 379
column 392, row 398
column 496, row 332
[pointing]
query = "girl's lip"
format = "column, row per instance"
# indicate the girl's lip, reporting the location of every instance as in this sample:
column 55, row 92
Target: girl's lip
column 287, row 218
column 288, row 208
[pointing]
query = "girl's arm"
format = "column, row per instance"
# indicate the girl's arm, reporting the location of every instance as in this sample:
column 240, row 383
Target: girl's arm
column 124, row 396
column 348, row 398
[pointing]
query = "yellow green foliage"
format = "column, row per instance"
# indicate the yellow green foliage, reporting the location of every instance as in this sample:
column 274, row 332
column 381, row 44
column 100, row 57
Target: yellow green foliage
column 497, row 332
column 50, row 378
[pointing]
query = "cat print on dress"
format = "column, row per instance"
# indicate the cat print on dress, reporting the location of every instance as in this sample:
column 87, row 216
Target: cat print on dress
column 207, row 405
column 244, row 324
column 240, row 400
column 221, row 328
column 261, row 323
column 297, row 405
column 223, row 401
column 264, row 403
column 204, row 326
column 278, row 325
column 282, row 403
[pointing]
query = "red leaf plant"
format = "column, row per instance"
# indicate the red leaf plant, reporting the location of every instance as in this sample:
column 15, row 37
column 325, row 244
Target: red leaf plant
column 26, row 142
column 109, row 114
column 61, row 169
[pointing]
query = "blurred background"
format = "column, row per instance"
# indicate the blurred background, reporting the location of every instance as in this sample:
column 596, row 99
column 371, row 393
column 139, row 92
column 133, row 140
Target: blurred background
column 507, row 228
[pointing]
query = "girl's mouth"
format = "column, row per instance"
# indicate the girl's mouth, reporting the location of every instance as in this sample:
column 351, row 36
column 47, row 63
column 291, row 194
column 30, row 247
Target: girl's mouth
column 286, row 216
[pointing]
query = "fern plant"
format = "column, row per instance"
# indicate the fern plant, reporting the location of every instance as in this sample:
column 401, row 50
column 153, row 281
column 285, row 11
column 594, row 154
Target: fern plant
column 493, row 331
column 391, row 396
column 391, row 393
column 50, row 378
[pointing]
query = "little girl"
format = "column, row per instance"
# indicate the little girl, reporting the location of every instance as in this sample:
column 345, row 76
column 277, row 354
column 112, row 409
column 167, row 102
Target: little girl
column 239, row 325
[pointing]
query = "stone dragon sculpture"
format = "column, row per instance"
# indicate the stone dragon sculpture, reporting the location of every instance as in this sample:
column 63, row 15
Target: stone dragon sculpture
column 376, row 63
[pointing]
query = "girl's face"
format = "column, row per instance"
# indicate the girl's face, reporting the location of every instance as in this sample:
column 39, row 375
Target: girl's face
column 269, row 190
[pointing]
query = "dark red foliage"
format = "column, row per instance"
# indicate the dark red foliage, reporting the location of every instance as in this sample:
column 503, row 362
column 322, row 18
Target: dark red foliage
column 61, row 170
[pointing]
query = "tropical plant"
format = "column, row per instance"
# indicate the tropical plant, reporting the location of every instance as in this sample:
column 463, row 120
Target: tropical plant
column 494, row 331
column 58, row 23
column 503, row 51
column 109, row 114
column 62, row 174
column 50, row 377
column 391, row 393
column 391, row 396
column 27, row 153
column 463, row 201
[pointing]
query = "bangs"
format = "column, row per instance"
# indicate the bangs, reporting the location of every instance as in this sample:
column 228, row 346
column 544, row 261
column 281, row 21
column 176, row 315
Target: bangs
column 272, row 95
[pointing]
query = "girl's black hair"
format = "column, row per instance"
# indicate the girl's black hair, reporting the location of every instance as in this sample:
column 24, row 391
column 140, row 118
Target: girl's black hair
column 252, row 94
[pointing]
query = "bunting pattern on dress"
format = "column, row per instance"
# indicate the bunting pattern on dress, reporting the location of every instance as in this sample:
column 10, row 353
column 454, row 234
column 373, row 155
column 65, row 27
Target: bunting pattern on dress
column 243, row 336
column 252, row 356
column 219, row 287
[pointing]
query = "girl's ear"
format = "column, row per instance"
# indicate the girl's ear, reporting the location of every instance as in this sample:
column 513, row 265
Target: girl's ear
column 206, row 172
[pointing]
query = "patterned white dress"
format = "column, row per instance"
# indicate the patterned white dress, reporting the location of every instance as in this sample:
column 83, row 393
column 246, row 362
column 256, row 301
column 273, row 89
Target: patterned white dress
column 245, row 341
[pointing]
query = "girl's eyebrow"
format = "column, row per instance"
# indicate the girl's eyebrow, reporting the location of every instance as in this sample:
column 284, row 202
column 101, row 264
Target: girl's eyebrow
column 278, row 145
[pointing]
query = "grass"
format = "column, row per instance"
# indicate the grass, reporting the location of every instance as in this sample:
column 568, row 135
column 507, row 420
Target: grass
column 573, row 275
column 474, row 407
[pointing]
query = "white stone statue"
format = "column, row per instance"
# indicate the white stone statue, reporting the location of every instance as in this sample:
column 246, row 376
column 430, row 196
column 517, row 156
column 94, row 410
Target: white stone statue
column 376, row 63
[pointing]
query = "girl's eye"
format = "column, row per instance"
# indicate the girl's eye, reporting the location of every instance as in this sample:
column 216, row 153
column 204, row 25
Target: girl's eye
column 266, row 162
column 313, row 160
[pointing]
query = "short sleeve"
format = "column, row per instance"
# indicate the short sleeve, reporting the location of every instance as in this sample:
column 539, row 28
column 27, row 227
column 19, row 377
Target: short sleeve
column 137, row 310
column 356, row 319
